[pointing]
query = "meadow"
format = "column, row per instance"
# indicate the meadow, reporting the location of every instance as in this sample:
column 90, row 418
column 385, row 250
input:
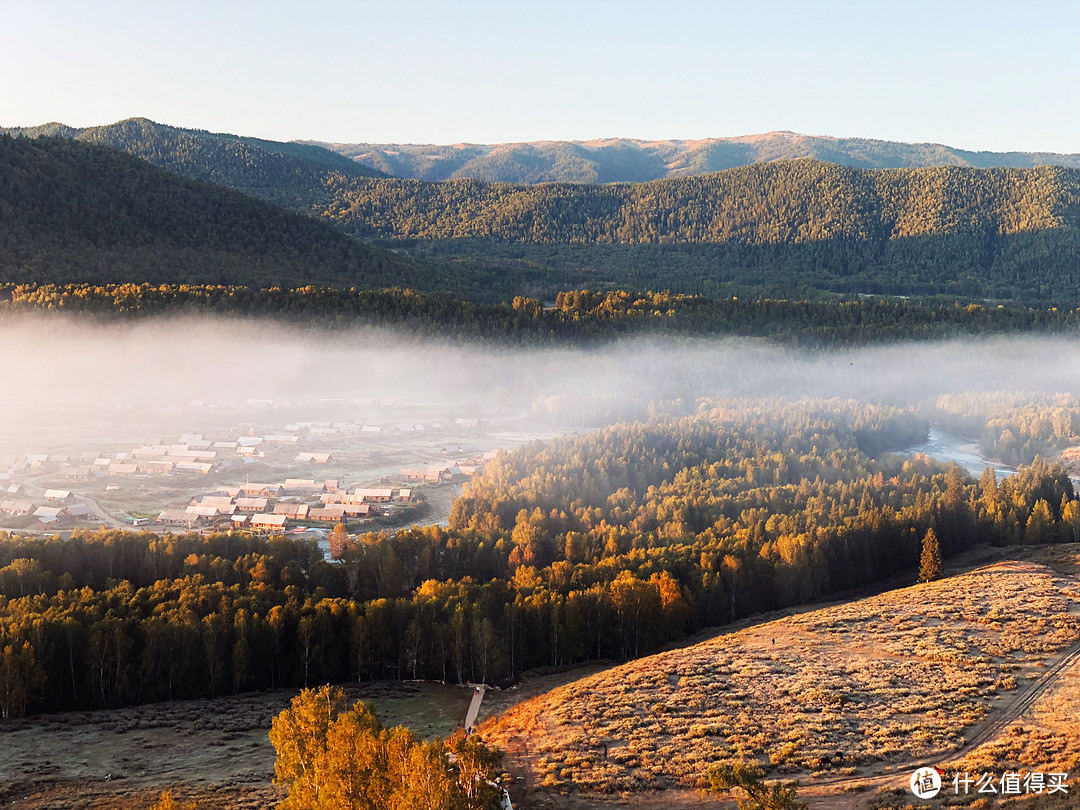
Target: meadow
column 837, row 693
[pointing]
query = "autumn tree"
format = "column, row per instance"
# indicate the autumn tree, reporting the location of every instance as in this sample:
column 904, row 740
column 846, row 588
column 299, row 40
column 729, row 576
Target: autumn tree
column 21, row 577
column 169, row 802
column 20, row 677
column 338, row 540
column 1040, row 524
column 1070, row 518
column 931, row 566
column 336, row 758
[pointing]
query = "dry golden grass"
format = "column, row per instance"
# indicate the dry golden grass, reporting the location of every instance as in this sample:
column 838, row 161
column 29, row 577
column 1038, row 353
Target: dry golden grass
column 890, row 678
column 1046, row 739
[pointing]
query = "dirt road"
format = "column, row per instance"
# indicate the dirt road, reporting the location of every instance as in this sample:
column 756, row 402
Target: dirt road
column 831, row 792
column 35, row 491
column 103, row 516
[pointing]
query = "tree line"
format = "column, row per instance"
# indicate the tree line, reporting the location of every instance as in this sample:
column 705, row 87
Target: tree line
column 573, row 316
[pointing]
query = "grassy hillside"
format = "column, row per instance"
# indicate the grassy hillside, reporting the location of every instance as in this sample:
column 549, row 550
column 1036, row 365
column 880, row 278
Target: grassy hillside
column 841, row 691
column 628, row 160
column 78, row 212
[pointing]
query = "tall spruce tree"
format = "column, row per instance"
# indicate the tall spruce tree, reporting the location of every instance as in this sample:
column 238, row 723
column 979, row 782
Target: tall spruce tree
column 931, row 566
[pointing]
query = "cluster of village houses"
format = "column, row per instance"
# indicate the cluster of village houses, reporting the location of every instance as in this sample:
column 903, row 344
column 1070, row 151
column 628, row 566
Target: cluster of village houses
column 273, row 506
column 59, row 506
column 259, row 506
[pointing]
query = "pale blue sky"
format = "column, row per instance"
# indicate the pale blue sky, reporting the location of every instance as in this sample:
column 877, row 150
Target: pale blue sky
column 977, row 75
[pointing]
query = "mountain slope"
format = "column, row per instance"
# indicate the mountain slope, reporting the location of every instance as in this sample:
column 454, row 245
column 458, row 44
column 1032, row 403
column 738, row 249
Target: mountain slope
column 78, row 212
column 629, row 160
column 1002, row 233
column 289, row 174
column 775, row 203
column 863, row 688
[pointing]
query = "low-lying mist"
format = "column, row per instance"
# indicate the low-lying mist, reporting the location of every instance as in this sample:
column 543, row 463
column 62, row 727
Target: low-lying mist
column 68, row 380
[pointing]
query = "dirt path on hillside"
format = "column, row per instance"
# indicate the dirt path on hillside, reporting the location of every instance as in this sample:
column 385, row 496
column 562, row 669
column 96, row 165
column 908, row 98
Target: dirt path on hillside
column 855, row 792
column 828, row 793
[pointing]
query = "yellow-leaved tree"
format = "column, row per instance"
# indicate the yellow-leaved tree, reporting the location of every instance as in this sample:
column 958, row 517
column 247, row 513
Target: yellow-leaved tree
column 167, row 802
column 332, row 757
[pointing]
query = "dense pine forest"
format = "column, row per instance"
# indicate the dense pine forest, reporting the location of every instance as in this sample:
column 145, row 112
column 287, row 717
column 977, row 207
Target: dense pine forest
column 603, row 546
column 76, row 212
column 793, row 202
column 288, row 174
column 1000, row 233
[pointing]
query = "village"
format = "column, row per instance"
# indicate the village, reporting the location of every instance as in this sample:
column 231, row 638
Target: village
column 295, row 476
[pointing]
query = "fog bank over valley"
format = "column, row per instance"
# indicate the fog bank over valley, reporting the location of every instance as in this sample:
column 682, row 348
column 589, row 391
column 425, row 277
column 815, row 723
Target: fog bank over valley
column 70, row 381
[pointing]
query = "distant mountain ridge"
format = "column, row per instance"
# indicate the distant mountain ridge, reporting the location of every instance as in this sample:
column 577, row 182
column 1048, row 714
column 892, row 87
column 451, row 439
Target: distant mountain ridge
column 288, row 174
column 630, row 160
column 295, row 174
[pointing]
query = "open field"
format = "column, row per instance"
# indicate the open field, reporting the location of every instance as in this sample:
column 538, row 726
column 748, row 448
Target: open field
column 838, row 695
column 217, row 750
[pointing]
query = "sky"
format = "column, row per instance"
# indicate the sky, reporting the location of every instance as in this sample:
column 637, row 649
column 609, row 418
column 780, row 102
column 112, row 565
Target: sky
column 976, row 75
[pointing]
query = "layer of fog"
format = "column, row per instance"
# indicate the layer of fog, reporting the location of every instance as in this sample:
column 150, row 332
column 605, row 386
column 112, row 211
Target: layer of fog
column 65, row 381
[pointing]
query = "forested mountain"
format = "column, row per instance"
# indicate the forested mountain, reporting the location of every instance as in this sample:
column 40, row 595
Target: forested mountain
column 1002, row 233
column 289, row 174
column 628, row 160
column 72, row 211
column 781, row 228
column 293, row 174
column 793, row 202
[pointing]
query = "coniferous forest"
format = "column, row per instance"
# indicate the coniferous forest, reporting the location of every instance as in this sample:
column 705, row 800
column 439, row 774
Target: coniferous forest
column 77, row 212
column 575, row 317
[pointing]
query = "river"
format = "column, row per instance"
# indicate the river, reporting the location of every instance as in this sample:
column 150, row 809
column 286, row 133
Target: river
column 945, row 446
